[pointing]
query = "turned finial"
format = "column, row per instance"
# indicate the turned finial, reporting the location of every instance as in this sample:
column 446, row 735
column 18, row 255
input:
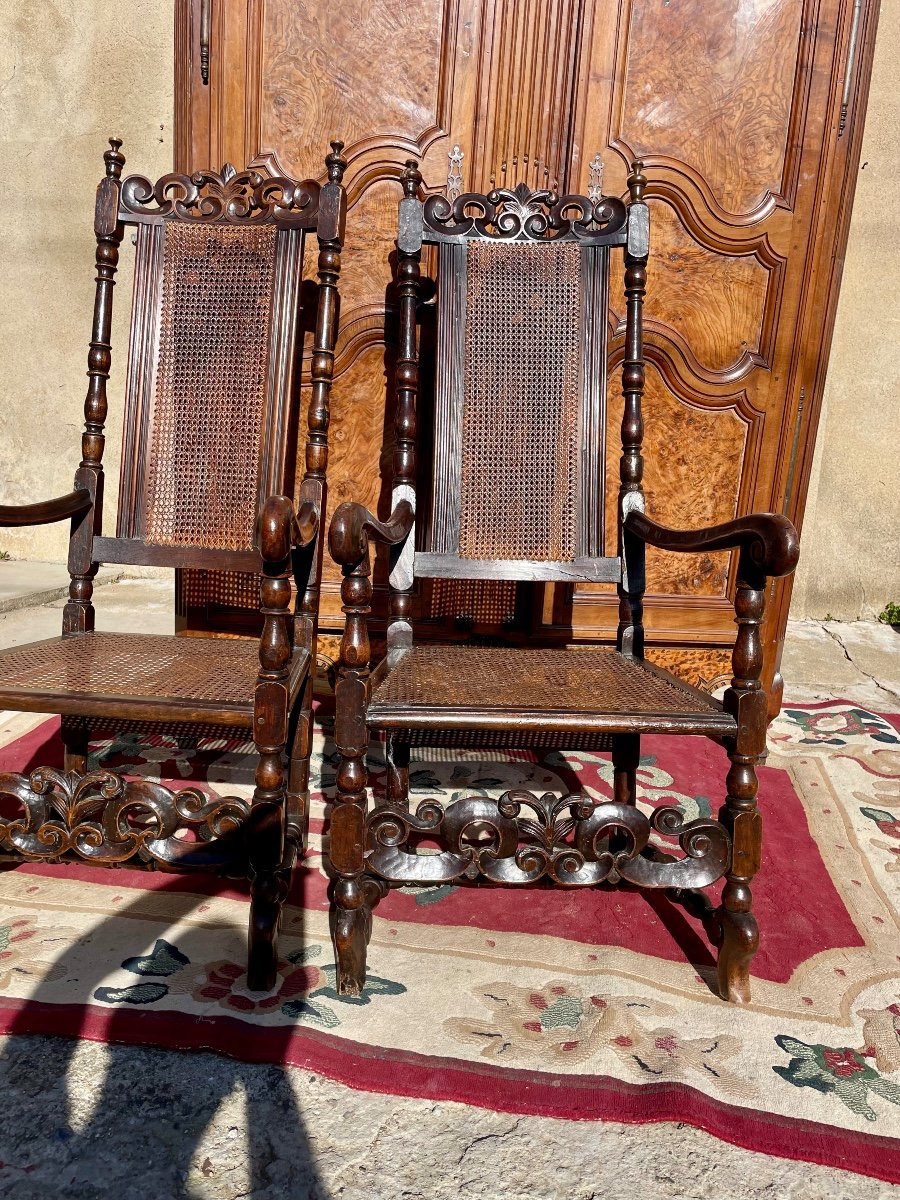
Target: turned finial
column 114, row 158
column 637, row 181
column 411, row 178
column 336, row 163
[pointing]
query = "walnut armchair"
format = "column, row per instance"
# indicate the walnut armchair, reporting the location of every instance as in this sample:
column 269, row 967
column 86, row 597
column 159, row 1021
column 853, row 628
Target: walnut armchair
column 518, row 494
column 210, row 434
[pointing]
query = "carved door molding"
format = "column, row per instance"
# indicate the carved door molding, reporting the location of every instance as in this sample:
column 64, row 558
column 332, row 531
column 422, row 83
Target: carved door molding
column 735, row 106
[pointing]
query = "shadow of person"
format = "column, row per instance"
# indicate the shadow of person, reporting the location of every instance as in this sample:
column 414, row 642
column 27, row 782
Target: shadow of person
column 136, row 1131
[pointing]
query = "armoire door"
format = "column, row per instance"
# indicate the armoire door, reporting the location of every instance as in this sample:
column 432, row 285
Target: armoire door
column 748, row 116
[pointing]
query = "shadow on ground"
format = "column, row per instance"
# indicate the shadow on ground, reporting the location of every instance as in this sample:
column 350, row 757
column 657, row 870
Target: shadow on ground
column 65, row 1132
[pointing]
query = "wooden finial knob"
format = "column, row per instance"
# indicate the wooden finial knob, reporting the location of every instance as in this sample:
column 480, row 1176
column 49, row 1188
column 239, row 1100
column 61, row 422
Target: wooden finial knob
column 411, row 178
column 336, row 163
column 114, row 158
column 637, row 181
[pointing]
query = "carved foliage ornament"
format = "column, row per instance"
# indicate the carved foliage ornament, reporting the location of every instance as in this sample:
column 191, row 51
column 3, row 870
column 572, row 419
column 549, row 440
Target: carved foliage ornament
column 100, row 817
column 574, row 840
column 595, row 178
column 520, row 214
column 228, row 196
column 454, row 173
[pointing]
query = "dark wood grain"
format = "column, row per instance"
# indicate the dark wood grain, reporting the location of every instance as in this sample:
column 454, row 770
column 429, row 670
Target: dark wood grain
column 45, row 512
column 198, row 239
column 524, row 696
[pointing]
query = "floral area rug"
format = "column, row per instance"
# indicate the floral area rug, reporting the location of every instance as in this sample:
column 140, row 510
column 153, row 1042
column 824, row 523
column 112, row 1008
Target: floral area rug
column 579, row 1004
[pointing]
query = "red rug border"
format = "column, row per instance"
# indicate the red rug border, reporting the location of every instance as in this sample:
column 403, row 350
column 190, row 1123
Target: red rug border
column 531, row 1093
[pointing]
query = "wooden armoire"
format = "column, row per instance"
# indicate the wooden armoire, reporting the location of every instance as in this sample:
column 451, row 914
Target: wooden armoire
column 748, row 115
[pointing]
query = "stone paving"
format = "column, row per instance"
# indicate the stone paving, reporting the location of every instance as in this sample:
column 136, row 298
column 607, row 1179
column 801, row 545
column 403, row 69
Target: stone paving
column 101, row 1122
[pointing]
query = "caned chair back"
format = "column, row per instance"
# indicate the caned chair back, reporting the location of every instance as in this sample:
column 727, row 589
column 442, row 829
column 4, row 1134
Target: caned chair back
column 520, row 407
column 210, row 423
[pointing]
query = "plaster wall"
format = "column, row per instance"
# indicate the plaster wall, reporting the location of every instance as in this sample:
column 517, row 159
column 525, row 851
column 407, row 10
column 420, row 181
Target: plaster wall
column 850, row 548
column 73, row 73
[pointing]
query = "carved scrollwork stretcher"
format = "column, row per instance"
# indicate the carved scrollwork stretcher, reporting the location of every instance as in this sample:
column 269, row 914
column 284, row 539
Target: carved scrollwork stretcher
column 104, row 819
column 573, row 840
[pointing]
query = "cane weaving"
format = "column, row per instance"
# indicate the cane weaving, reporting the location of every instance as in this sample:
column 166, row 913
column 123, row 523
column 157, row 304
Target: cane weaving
column 211, row 382
column 584, row 679
column 519, row 492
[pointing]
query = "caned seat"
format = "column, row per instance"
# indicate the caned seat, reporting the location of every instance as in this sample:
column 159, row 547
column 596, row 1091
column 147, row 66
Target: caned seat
column 134, row 676
column 437, row 689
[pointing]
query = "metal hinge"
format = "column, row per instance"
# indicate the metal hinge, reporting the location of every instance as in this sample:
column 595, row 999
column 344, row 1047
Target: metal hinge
column 851, row 63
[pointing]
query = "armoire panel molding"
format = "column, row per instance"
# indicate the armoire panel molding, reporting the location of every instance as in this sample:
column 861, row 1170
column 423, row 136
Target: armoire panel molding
column 747, row 83
column 559, row 82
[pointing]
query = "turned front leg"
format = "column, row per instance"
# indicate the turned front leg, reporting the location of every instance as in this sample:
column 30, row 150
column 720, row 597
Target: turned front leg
column 626, row 758
column 397, row 762
column 746, row 701
column 270, row 859
column 739, row 928
column 352, row 913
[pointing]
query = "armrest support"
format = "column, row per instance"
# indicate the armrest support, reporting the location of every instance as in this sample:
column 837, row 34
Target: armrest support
column 352, row 525
column 46, row 512
column 282, row 530
column 769, row 540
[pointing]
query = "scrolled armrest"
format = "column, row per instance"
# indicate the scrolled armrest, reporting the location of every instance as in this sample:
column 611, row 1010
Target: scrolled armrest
column 281, row 529
column 46, row 512
column 769, row 539
column 352, row 525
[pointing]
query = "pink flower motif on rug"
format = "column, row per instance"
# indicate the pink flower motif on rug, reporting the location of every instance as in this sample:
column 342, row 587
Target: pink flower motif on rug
column 302, row 986
column 22, row 955
column 225, row 983
column 12, row 948
column 881, row 1036
column 558, row 1021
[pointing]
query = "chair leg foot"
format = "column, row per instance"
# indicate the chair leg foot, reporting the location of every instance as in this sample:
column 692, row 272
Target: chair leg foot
column 739, row 942
column 354, row 900
column 271, row 862
column 262, row 957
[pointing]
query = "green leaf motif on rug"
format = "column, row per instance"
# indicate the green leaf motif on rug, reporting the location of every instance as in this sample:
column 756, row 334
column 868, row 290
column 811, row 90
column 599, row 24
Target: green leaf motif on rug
column 375, row 986
column 836, row 1070
column 318, row 1014
column 886, row 821
column 305, row 953
column 566, row 1012
column 827, row 727
column 138, row 993
column 424, row 780
column 165, row 959
column 431, row 895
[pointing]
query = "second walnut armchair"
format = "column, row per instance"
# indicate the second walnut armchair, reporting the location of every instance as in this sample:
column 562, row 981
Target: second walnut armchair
column 518, row 494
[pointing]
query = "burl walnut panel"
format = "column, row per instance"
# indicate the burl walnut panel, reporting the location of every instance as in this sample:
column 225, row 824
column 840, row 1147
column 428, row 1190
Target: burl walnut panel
column 357, row 431
column 709, row 83
column 713, row 302
column 692, row 476
column 369, row 70
column 366, row 260
column 707, row 669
